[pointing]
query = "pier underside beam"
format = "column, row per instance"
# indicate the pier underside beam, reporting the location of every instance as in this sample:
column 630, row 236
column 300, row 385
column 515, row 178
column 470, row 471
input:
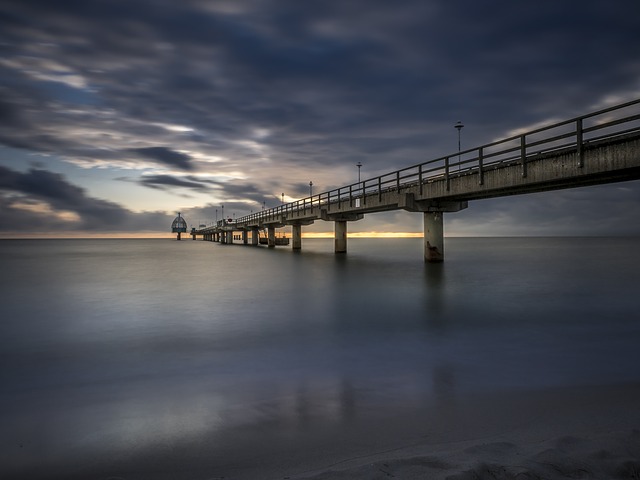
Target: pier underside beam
column 340, row 221
column 296, row 232
column 433, row 213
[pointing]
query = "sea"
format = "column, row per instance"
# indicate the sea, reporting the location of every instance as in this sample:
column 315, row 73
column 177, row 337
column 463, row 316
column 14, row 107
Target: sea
column 140, row 358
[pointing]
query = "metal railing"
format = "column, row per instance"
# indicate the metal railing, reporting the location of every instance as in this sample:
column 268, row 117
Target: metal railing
column 520, row 149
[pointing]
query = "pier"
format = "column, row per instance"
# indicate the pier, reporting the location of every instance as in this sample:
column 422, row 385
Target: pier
column 596, row 148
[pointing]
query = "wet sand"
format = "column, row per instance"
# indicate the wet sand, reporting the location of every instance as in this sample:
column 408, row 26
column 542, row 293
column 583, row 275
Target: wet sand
column 587, row 432
column 590, row 432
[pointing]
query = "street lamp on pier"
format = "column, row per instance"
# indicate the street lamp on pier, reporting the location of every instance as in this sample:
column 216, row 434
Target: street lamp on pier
column 311, row 189
column 359, row 164
column 458, row 126
column 283, row 197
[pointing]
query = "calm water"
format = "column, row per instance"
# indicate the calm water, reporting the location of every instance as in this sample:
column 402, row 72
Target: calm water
column 110, row 348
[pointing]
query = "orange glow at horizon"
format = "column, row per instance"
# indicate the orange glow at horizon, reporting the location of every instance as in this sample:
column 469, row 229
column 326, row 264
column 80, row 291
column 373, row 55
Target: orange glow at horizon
column 365, row 235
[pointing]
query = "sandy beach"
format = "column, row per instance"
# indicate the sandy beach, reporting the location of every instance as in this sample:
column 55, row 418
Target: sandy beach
column 590, row 432
column 586, row 432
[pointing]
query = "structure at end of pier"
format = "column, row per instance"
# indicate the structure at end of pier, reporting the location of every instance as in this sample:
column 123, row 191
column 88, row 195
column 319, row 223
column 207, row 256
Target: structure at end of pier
column 179, row 226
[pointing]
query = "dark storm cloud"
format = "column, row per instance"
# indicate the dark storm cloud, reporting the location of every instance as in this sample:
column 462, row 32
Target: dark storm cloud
column 248, row 196
column 163, row 181
column 37, row 186
column 602, row 210
column 341, row 72
column 165, row 156
column 306, row 88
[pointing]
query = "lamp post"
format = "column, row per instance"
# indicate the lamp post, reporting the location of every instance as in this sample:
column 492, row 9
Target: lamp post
column 222, row 214
column 283, row 198
column 359, row 164
column 458, row 126
column 311, row 189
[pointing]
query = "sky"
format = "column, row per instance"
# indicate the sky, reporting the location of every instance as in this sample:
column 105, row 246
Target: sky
column 117, row 114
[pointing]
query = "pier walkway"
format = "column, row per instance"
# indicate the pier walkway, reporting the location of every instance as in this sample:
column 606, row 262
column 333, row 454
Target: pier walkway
column 600, row 147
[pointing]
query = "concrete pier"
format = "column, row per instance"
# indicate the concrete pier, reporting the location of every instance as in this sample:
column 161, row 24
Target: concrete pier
column 254, row 237
column 605, row 151
column 245, row 237
column 340, row 242
column 296, row 236
column 271, row 236
column 433, row 237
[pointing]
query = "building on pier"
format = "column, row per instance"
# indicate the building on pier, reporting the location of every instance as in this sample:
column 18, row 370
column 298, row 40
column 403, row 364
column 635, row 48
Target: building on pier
column 179, row 226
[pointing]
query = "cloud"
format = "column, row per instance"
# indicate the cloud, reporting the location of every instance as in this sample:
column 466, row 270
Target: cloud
column 40, row 200
column 268, row 95
column 604, row 210
column 165, row 156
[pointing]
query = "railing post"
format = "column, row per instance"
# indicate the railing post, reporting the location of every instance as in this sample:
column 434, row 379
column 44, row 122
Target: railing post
column 480, row 166
column 579, row 141
column 350, row 196
column 379, row 189
column 446, row 171
column 398, row 181
column 523, row 155
column 420, row 177
column 364, row 196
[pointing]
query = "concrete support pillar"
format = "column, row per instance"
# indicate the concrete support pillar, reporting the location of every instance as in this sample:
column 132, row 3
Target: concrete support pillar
column 179, row 236
column 230, row 237
column 254, row 237
column 340, row 242
column 433, row 237
column 296, row 236
column 271, row 235
column 223, row 237
column 245, row 237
